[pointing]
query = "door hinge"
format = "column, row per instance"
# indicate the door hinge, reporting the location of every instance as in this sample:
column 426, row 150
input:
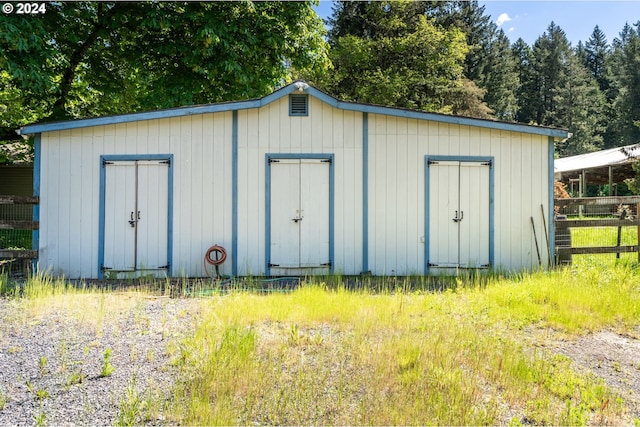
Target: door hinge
column 489, row 163
column 326, row 161
column 432, row 162
column 274, row 265
column 166, row 162
column 105, row 163
column 274, row 161
column 163, row 267
column 326, row 264
column 430, row 264
column 103, row 268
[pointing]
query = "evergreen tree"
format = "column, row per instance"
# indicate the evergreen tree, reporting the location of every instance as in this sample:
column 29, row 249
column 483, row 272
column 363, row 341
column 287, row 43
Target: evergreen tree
column 580, row 108
column 527, row 91
column 550, row 53
column 596, row 51
column 499, row 78
column 624, row 71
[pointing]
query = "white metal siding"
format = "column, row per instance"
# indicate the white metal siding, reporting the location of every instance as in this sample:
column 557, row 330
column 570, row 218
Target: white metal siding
column 397, row 147
column 70, row 180
column 202, row 185
column 325, row 130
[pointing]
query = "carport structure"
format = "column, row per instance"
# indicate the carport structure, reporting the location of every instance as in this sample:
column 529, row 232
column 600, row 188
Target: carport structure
column 611, row 166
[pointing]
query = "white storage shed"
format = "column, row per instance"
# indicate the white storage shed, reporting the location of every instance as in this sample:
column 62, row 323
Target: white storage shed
column 294, row 183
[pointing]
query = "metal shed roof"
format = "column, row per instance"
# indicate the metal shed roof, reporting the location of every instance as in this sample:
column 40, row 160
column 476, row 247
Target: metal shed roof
column 597, row 164
column 597, row 159
column 298, row 86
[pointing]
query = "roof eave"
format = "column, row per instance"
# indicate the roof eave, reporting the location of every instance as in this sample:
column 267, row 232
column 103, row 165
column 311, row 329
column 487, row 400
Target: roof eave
column 297, row 86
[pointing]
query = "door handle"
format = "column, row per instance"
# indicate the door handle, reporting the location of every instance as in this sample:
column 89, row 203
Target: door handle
column 134, row 219
column 296, row 219
column 458, row 218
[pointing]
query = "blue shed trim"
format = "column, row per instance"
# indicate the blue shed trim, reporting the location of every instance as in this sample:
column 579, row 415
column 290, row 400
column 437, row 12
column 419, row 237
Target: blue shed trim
column 365, row 192
column 102, row 194
column 267, row 227
column 286, row 90
column 37, row 161
column 234, row 194
column 550, row 207
column 479, row 159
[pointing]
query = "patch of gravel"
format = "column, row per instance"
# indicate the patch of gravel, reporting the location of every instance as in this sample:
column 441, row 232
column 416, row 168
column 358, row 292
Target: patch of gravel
column 43, row 359
column 614, row 358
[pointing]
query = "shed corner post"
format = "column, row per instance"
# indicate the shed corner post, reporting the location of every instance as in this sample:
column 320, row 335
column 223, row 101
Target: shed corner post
column 234, row 193
column 365, row 192
column 37, row 159
column 550, row 209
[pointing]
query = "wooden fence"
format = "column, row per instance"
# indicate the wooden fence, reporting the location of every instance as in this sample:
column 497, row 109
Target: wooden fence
column 611, row 212
column 11, row 221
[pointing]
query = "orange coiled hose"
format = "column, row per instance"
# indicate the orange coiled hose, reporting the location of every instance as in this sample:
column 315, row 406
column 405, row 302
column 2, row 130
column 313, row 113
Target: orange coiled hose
column 215, row 255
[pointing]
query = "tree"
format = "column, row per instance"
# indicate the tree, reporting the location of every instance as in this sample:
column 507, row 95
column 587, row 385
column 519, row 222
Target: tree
column 596, row 51
column 389, row 53
column 624, row 91
column 550, row 56
column 581, row 108
column 499, row 77
column 527, row 91
column 92, row 58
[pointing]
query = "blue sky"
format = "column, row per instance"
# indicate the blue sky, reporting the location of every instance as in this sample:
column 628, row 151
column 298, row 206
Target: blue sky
column 529, row 19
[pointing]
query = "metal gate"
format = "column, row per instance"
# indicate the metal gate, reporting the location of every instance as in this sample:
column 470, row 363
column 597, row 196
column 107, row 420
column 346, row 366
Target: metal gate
column 458, row 212
column 298, row 211
column 135, row 220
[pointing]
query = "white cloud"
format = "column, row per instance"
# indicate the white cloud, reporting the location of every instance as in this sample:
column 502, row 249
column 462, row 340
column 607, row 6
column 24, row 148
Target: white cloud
column 504, row 17
column 511, row 29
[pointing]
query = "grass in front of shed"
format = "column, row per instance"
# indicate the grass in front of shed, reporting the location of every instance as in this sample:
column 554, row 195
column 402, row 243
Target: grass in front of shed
column 324, row 355
column 42, row 294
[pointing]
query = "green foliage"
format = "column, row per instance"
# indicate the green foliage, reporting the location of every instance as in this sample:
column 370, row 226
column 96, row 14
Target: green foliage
column 133, row 406
column 42, row 366
column 107, row 367
column 94, row 58
column 86, row 59
column 624, row 92
column 396, row 56
column 634, row 183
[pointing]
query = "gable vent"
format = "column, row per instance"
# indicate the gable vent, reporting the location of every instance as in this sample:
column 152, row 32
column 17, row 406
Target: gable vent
column 298, row 105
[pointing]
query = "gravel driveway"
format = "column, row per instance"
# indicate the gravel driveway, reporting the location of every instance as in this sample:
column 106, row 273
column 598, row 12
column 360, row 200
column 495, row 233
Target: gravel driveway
column 51, row 366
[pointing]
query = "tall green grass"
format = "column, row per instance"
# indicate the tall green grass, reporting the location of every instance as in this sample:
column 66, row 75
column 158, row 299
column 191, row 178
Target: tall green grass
column 390, row 353
column 459, row 357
